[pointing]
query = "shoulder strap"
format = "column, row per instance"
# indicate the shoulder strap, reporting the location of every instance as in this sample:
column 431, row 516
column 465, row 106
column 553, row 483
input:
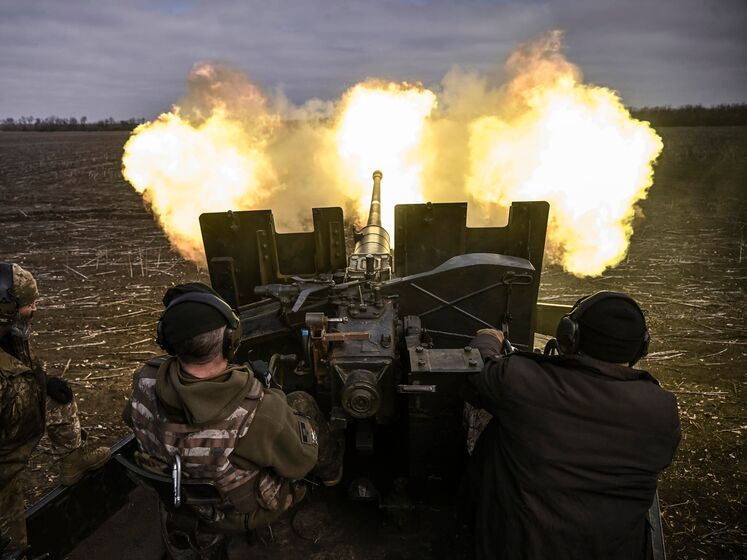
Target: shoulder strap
column 256, row 392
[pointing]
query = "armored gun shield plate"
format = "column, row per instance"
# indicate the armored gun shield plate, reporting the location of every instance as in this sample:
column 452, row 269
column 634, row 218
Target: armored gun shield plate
column 468, row 293
column 243, row 250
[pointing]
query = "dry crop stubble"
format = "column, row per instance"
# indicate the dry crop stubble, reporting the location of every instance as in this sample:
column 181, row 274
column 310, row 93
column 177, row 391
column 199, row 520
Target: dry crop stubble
column 103, row 264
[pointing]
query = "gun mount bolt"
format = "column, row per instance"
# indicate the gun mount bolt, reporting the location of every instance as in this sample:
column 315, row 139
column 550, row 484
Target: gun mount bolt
column 419, row 349
column 468, row 349
column 472, row 363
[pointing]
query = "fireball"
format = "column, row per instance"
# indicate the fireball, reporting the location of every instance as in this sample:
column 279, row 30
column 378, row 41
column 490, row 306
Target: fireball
column 382, row 126
column 183, row 170
column 544, row 135
column 571, row 144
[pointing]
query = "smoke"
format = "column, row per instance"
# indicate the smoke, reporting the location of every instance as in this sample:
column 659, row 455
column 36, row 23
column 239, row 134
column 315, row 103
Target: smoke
column 216, row 87
column 552, row 137
column 540, row 135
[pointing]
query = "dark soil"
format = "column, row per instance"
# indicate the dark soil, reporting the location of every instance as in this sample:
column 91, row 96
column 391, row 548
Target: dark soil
column 102, row 265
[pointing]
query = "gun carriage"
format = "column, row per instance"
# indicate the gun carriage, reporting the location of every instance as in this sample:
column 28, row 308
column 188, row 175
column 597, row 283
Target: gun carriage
column 380, row 336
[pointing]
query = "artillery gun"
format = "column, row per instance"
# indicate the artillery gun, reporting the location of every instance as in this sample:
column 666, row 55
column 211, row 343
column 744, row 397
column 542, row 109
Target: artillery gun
column 380, row 337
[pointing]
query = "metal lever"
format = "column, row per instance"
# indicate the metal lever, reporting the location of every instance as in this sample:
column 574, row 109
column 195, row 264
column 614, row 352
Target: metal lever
column 416, row 389
column 176, row 475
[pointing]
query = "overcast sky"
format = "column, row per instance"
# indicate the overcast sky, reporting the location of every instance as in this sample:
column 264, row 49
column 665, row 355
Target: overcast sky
column 126, row 59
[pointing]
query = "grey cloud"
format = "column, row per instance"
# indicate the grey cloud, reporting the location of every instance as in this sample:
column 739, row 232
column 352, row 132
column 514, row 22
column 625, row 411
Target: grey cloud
column 665, row 53
column 130, row 59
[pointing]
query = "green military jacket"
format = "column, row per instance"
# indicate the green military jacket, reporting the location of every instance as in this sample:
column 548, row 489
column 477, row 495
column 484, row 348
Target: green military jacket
column 272, row 440
column 22, row 398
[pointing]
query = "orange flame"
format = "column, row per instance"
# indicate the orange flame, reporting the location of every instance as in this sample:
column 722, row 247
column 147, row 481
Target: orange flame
column 381, row 126
column 575, row 146
column 543, row 136
column 199, row 159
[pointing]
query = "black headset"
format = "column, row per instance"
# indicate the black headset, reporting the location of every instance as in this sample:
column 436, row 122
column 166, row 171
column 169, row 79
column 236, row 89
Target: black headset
column 8, row 302
column 231, row 335
column 568, row 333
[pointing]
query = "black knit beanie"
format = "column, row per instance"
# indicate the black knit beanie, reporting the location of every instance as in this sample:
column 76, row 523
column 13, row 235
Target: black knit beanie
column 189, row 319
column 612, row 330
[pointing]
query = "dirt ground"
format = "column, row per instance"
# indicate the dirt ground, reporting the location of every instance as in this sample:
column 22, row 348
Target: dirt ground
column 103, row 264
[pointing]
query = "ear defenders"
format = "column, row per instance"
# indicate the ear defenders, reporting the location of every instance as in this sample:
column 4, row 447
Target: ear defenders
column 8, row 302
column 231, row 335
column 568, row 331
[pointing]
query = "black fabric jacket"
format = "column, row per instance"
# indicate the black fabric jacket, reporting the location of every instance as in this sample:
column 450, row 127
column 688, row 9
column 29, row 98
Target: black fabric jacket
column 567, row 467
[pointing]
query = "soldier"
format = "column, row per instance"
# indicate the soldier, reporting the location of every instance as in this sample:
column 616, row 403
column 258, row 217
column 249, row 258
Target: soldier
column 567, row 467
column 29, row 399
column 196, row 401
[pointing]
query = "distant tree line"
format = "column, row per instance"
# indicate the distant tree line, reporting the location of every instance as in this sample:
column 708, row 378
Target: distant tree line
column 686, row 115
column 694, row 115
column 54, row 124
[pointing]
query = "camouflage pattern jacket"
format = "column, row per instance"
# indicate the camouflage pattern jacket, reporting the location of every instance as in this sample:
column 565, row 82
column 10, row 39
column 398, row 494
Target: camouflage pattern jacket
column 205, row 447
column 22, row 408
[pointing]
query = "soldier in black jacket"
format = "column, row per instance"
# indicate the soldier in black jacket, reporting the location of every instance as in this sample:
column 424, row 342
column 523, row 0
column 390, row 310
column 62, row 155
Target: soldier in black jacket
column 567, row 467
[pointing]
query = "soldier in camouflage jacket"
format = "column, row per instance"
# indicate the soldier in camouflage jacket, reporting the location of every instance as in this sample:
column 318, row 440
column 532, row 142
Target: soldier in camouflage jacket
column 30, row 401
column 252, row 441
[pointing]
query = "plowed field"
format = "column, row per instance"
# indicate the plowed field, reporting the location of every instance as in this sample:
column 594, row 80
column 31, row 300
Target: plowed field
column 103, row 264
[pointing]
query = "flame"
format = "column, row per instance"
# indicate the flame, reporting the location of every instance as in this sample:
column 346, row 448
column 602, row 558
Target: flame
column 544, row 135
column 571, row 144
column 382, row 126
column 183, row 170
column 207, row 155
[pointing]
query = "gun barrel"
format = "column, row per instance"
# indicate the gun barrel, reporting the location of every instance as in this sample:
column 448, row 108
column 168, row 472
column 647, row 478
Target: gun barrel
column 374, row 214
column 373, row 238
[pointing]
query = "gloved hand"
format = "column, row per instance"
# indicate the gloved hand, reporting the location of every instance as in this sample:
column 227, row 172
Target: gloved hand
column 261, row 372
column 58, row 390
column 265, row 372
